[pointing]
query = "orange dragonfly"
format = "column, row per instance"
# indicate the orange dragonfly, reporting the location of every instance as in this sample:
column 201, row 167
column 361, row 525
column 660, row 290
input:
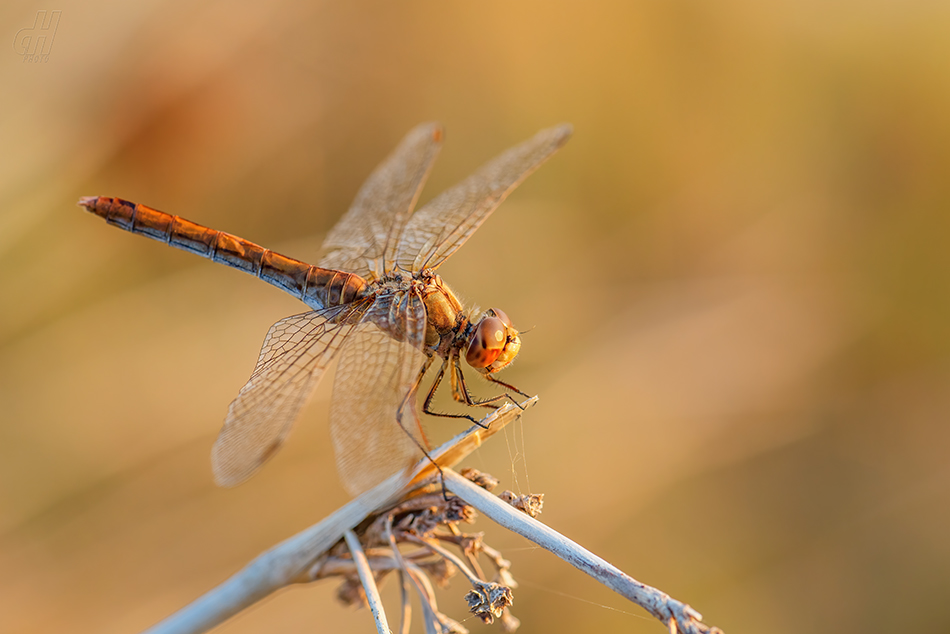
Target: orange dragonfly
column 376, row 301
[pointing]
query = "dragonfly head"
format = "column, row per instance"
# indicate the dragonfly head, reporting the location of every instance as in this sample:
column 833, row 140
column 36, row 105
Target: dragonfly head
column 494, row 343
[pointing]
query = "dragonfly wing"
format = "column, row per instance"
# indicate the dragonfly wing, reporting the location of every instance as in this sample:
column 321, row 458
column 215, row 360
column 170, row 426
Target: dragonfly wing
column 364, row 241
column 295, row 353
column 445, row 223
column 375, row 381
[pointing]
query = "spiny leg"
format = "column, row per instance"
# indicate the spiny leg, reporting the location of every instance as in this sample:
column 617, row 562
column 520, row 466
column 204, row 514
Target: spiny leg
column 408, row 400
column 461, row 394
column 507, row 385
column 427, row 405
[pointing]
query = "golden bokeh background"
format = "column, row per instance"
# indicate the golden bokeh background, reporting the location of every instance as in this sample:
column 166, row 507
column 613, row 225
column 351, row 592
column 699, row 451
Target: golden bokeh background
column 737, row 273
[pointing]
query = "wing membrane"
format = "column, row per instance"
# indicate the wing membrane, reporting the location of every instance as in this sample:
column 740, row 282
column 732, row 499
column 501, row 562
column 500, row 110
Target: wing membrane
column 293, row 357
column 444, row 224
column 376, row 374
column 364, row 241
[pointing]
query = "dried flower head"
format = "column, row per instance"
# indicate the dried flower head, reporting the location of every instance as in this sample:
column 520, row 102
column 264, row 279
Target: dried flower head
column 530, row 503
column 487, row 601
column 416, row 537
column 484, row 480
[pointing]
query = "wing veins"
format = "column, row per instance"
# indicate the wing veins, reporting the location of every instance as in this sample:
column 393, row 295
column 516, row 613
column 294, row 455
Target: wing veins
column 300, row 350
column 437, row 230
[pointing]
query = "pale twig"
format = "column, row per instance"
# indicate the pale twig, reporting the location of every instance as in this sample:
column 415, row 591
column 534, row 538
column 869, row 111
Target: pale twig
column 472, row 577
column 675, row 614
column 307, row 556
column 502, row 566
column 406, row 616
column 369, row 582
column 291, row 561
column 404, row 579
column 406, row 606
column 276, row 568
column 435, row 622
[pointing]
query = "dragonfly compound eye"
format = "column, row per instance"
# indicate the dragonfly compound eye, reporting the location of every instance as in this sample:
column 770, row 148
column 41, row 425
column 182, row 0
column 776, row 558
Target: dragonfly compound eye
column 487, row 342
column 500, row 314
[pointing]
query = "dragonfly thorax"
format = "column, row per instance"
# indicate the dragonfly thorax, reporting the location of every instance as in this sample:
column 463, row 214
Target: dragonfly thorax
column 443, row 308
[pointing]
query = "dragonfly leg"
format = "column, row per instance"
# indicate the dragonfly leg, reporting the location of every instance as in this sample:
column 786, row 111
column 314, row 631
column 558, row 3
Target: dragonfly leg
column 492, row 379
column 423, row 444
column 408, row 401
column 461, row 394
column 427, row 405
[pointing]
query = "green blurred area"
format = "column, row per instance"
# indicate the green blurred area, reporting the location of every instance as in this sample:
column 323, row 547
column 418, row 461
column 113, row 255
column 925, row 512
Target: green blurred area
column 736, row 273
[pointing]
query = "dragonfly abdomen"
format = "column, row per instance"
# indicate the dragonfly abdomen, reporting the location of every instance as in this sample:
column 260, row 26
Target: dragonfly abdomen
column 317, row 287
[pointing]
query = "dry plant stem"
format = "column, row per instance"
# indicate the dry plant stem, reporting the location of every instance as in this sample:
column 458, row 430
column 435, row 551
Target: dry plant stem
column 676, row 615
column 369, row 582
column 406, row 616
column 430, row 614
column 419, row 580
column 472, row 578
column 293, row 560
column 276, row 568
column 433, row 620
column 290, row 561
column 469, row 555
column 405, row 578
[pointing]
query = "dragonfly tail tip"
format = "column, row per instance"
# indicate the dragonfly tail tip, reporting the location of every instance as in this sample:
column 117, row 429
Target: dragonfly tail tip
column 88, row 202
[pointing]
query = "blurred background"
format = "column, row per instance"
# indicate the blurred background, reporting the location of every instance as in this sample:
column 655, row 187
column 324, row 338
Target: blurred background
column 736, row 272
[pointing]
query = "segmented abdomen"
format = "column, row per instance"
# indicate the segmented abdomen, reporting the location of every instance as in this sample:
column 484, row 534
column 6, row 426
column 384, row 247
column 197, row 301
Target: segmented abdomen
column 315, row 286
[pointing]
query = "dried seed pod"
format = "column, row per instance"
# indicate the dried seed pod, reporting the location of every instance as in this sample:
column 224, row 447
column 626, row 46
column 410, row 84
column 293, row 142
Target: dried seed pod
column 488, row 600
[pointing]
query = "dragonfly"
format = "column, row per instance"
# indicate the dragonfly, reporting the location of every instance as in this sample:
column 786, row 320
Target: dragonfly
column 376, row 302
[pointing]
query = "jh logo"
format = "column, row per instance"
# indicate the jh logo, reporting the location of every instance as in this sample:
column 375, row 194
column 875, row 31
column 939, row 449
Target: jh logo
column 35, row 44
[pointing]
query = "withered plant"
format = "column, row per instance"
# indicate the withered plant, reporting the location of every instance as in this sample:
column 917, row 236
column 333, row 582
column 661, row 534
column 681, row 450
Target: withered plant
column 414, row 527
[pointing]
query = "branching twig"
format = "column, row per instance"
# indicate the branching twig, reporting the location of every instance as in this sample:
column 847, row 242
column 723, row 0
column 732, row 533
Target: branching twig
column 369, row 583
column 434, row 620
column 657, row 603
column 307, row 556
column 291, row 561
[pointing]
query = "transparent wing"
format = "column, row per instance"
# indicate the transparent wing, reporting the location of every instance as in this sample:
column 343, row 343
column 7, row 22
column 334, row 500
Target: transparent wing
column 375, row 381
column 444, row 224
column 364, row 241
column 295, row 353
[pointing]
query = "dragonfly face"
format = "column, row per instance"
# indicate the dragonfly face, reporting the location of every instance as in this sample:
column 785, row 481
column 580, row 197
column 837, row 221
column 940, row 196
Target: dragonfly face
column 494, row 343
column 378, row 305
